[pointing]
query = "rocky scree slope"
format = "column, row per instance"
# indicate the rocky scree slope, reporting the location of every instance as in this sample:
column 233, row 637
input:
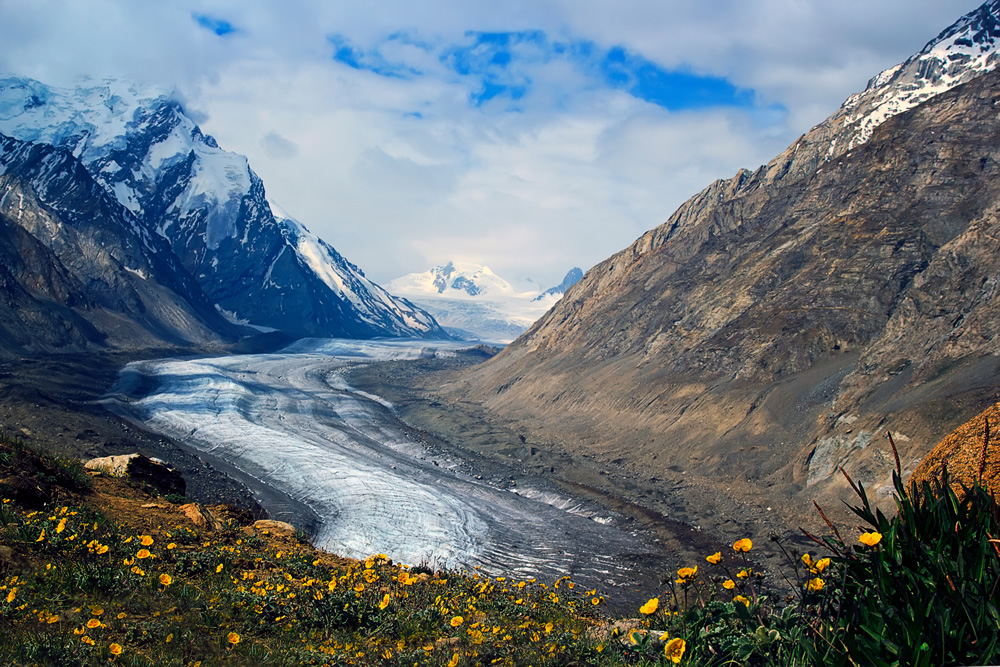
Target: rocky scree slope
column 255, row 266
column 780, row 320
column 77, row 271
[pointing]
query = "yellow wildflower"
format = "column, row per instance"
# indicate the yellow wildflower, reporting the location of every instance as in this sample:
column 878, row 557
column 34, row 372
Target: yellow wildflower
column 61, row 526
column 714, row 558
column 820, row 565
column 233, row 638
column 674, row 650
column 740, row 598
column 729, row 584
column 11, row 594
column 743, row 574
column 743, row 545
column 218, row 568
column 87, row 640
column 870, row 539
column 145, row 540
column 454, row 661
column 815, row 584
column 115, row 649
column 650, row 607
column 457, row 621
column 93, row 623
column 41, row 538
column 166, row 579
column 385, row 601
column 143, row 553
column 807, row 559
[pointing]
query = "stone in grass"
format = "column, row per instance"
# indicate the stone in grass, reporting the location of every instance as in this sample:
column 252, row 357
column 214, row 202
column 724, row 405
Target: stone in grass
column 154, row 472
column 276, row 528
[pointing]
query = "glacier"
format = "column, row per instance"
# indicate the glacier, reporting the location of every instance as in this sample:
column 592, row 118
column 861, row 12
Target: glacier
column 292, row 421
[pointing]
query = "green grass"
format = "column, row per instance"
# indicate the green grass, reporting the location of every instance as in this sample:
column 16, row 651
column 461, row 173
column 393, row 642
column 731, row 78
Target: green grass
column 78, row 583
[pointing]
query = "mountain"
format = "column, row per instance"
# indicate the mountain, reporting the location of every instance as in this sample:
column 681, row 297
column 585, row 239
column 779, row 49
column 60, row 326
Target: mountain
column 474, row 303
column 78, row 270
column 572, row 277
column 781, row 321
column 258, row 268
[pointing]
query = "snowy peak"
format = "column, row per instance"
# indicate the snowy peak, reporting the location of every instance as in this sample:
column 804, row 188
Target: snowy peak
column 573, row 276
column 462, row 280
column 961, row 52
column 474, row 303
column 371, row 301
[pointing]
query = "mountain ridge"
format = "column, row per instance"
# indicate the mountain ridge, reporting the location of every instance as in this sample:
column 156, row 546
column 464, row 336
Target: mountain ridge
column 780, row 319
column 210, row 206
column 75, row 259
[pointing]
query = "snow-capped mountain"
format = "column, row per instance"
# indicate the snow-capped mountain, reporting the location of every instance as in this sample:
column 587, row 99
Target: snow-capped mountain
column 572, row 277
column 472, row 302
column 77, row 270
column 960, row 53
column 256, row 267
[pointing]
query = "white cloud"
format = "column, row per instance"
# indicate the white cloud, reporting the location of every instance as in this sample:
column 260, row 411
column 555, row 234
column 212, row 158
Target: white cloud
column 399, row 173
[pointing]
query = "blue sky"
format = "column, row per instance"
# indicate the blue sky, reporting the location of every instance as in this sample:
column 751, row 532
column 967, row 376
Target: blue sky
column 529, row 135
column 498, row 67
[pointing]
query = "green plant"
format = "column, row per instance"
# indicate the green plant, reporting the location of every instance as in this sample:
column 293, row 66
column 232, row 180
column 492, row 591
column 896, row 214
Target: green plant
column 920, row 588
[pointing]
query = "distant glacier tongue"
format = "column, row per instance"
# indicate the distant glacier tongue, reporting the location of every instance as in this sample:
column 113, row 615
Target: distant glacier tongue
column 289, row 420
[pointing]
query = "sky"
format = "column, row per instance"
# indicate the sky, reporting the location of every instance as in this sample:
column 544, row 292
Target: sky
column 527, row 135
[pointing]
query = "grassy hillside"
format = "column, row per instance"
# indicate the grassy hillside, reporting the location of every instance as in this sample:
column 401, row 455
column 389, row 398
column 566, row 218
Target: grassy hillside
column 95, row 569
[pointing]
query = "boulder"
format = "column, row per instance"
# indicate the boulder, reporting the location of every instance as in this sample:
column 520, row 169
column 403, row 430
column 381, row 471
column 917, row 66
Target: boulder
column 154, row 472
column 277, row 528
column 201, row 516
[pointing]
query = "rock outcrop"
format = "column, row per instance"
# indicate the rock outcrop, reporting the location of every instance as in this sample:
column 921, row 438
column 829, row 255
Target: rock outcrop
column 970, row 454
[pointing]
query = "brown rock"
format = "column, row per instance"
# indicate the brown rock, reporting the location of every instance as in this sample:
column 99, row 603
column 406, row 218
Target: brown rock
column 200, row 516
column 972, row 447
column 278, row 528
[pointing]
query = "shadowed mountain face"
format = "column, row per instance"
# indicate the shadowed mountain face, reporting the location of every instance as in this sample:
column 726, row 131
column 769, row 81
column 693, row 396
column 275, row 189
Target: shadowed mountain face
column 782, row 319
column 76, row 268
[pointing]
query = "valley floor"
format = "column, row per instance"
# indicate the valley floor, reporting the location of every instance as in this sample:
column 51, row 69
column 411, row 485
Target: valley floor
column 54, row 403
column 686, row 514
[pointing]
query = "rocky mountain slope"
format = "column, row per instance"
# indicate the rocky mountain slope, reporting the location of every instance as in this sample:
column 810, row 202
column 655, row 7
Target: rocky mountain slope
column 474, row 303
column 77, row 269
column 779, row 321
column 256, row 266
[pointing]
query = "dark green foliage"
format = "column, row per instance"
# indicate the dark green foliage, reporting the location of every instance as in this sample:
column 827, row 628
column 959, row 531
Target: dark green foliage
column 34, row 478
column 926, row 594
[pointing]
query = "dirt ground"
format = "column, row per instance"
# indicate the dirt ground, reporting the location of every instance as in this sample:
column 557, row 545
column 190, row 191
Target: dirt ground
column 687, row 515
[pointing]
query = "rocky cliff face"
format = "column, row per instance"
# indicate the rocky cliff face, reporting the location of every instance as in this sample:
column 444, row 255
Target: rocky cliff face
column 781, row 320
column 78, row 269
